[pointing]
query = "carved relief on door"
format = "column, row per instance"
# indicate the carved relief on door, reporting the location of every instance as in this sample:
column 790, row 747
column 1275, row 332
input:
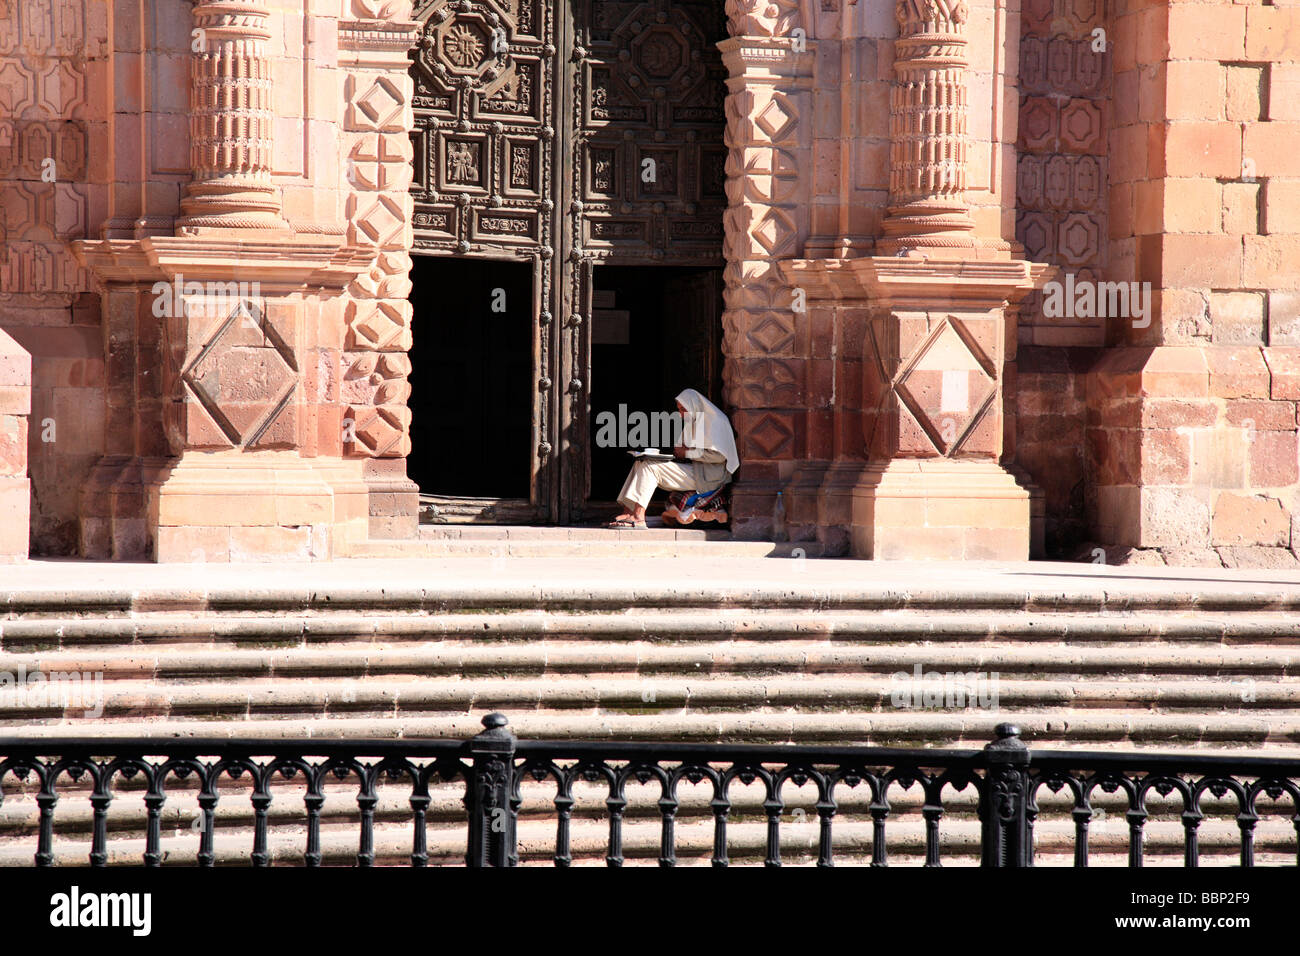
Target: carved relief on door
column 483, row 136
column 649, row 116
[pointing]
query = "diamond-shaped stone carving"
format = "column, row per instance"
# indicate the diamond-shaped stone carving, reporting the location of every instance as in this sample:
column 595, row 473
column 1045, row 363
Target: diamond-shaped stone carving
column 381, row 220
column 380, row 325
column 380, row 107
column 769, row 436
column 244, row 376
column 947, row 385
column 774, row 231
column 771, row 334
column 382, row 432
column 776, row 119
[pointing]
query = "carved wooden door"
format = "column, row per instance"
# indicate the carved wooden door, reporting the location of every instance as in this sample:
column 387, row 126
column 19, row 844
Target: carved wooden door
column 569, row 134
column 484, row 144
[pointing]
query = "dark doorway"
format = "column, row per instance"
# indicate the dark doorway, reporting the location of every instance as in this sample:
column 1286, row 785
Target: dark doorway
column 471, row 377
column 655, row 331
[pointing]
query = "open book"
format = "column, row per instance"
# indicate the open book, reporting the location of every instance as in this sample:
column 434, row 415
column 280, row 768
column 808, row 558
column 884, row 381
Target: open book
column 651, row 454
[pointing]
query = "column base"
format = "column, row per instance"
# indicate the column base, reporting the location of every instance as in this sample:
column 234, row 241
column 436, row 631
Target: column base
column 241, row 507
column 840, row 480
column 393, row 499
column 114, row 515
column 940, row 509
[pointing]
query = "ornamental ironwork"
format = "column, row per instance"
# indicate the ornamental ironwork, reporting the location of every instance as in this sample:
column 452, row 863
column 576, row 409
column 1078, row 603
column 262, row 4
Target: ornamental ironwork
column 488, row 774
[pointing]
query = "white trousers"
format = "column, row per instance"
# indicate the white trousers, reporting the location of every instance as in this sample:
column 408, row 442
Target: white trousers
column 646, row 476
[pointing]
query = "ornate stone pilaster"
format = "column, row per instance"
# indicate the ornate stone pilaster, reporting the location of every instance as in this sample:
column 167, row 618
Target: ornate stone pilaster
column 232, row 109
column 766, row 345
column 927, row 126
column 374, row 43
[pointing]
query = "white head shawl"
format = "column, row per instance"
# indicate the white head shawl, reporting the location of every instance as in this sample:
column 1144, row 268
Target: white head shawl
column 706, row 427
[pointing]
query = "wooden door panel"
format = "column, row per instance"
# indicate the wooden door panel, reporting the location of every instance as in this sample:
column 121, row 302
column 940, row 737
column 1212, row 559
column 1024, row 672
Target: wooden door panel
column 651, row 165
column 485, row 144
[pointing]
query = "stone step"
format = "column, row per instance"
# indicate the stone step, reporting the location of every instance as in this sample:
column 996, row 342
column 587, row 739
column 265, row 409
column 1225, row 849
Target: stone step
column 1272, row 732
column 747, row 650
column 655, row 541
column 655, row 530
column 411, row 696
column 845, row 655
column 473, row 585
column 292, row 627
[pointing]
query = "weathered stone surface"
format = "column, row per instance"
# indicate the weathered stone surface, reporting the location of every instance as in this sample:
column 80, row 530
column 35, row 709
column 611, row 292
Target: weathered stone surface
column 1250, row 520
column 1266, row 557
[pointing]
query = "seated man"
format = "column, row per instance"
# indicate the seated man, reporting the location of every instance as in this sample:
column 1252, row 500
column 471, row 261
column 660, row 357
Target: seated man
column 704, row 461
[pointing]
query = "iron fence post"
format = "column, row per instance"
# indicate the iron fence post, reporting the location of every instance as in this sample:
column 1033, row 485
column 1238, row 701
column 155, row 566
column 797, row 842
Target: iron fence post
column 1004, row 817
column 491, row 839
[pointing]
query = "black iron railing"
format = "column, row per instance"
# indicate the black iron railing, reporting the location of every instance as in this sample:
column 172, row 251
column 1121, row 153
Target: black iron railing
column 1007, row 779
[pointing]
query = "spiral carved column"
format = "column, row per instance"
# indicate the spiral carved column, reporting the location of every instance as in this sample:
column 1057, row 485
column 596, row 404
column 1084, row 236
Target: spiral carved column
column 231, row 116
column 927, row 123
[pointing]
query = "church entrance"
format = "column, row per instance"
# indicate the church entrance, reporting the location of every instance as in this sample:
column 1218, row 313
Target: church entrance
column 568, row 154
column 655, row 331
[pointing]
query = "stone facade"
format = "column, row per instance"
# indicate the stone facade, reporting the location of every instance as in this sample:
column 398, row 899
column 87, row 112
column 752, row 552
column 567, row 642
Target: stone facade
column 207, row 236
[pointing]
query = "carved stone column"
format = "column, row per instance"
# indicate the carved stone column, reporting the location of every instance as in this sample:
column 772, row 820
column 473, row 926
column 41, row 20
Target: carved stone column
column 936, row 331
column 232, row 109
column 927, row 128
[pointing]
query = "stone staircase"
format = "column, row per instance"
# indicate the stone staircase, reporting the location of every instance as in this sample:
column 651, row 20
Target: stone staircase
column 798, row 651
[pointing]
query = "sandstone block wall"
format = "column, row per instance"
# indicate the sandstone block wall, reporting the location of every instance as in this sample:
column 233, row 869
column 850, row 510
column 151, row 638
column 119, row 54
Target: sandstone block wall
column 57, row 175
column 1192, row 435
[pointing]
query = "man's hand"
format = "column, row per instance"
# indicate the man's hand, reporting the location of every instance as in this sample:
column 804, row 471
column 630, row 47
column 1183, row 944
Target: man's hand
column 680, row 452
